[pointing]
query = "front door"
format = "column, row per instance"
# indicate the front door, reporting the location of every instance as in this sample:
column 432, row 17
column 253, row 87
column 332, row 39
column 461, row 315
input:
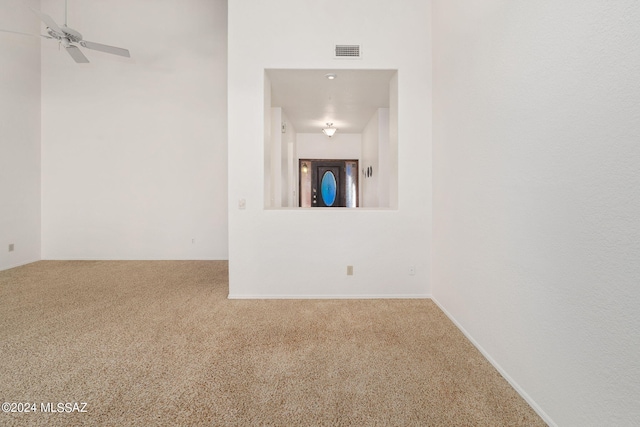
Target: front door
column 327, row 187
column 328, row 183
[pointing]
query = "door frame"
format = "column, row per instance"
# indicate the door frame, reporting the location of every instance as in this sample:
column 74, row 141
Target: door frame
column 335, row 162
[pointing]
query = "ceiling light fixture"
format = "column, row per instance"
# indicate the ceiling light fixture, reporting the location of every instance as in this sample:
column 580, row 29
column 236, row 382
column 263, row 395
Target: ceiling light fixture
column 329, row 130
column 331, row 76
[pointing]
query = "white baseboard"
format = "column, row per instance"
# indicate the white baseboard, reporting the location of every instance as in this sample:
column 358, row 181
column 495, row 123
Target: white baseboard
column 20, row 264
column 364, row 296
column 546, row 418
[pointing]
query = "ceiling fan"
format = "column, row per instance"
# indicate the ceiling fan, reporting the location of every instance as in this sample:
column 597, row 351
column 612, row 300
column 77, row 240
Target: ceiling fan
column 68, row 36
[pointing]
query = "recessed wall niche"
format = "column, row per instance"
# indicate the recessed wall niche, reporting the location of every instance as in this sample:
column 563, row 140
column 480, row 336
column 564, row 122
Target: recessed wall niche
column 361, row 104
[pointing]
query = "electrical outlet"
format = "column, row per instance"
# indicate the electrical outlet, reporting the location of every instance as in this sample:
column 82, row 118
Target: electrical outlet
column 412, row 270
column 11, row 247
column 242, row 204
column 349, row 270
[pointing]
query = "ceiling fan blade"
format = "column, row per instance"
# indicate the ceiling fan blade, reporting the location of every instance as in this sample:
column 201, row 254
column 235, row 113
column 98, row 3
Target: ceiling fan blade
column 104, row 48
column 76, row 54
column 48, row 21
column 24, row 34
column 15, row 32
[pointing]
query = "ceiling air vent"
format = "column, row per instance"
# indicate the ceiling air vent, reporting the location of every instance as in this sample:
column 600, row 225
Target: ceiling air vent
column 348, row 51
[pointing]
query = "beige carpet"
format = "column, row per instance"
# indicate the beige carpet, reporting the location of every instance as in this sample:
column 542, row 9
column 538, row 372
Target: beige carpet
column 147, row 343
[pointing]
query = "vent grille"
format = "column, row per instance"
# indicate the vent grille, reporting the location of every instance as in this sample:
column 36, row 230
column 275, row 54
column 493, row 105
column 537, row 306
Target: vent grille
column 347, row 51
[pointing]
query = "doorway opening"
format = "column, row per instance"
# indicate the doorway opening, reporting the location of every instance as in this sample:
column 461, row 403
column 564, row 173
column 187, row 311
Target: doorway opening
column 328, row 183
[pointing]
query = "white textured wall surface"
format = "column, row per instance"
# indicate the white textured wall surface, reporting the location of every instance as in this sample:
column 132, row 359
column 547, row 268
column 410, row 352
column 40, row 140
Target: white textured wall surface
column 266, row 140
column 290, row 189
column 385, row 159
column 370, row 155
column 19, row 134
column 288, row 140
column 134, row 151
column 537, row 196
column 376, row 153
column 303, row 253
column 275, row 166
column 345, row 146
column 393, row 146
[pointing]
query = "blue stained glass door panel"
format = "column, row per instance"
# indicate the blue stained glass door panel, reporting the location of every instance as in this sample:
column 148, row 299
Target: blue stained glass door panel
column 328, row 188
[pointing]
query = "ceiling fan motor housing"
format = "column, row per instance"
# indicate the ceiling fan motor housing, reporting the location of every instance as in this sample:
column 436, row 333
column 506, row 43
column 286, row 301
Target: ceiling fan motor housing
column 68, row 33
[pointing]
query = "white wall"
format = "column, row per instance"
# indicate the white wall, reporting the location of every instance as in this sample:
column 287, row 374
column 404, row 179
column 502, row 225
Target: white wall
column 134, row 155
column 536, row 196
column 289, row 164
column 383, row 173
column 265, row 254
column 278, row 164
column 267, row 143
column 275, row 165
column 376, row 153
column 344, row 146
column 279, row 173
column 393, row 146
column 19, row 134
column 370, row 143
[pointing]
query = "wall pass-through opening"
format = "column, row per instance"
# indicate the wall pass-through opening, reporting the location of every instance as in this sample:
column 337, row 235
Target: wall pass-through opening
column 360, row 107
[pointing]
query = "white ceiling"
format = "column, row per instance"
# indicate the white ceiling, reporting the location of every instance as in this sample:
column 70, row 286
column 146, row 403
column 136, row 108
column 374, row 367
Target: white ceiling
column 310, row 100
